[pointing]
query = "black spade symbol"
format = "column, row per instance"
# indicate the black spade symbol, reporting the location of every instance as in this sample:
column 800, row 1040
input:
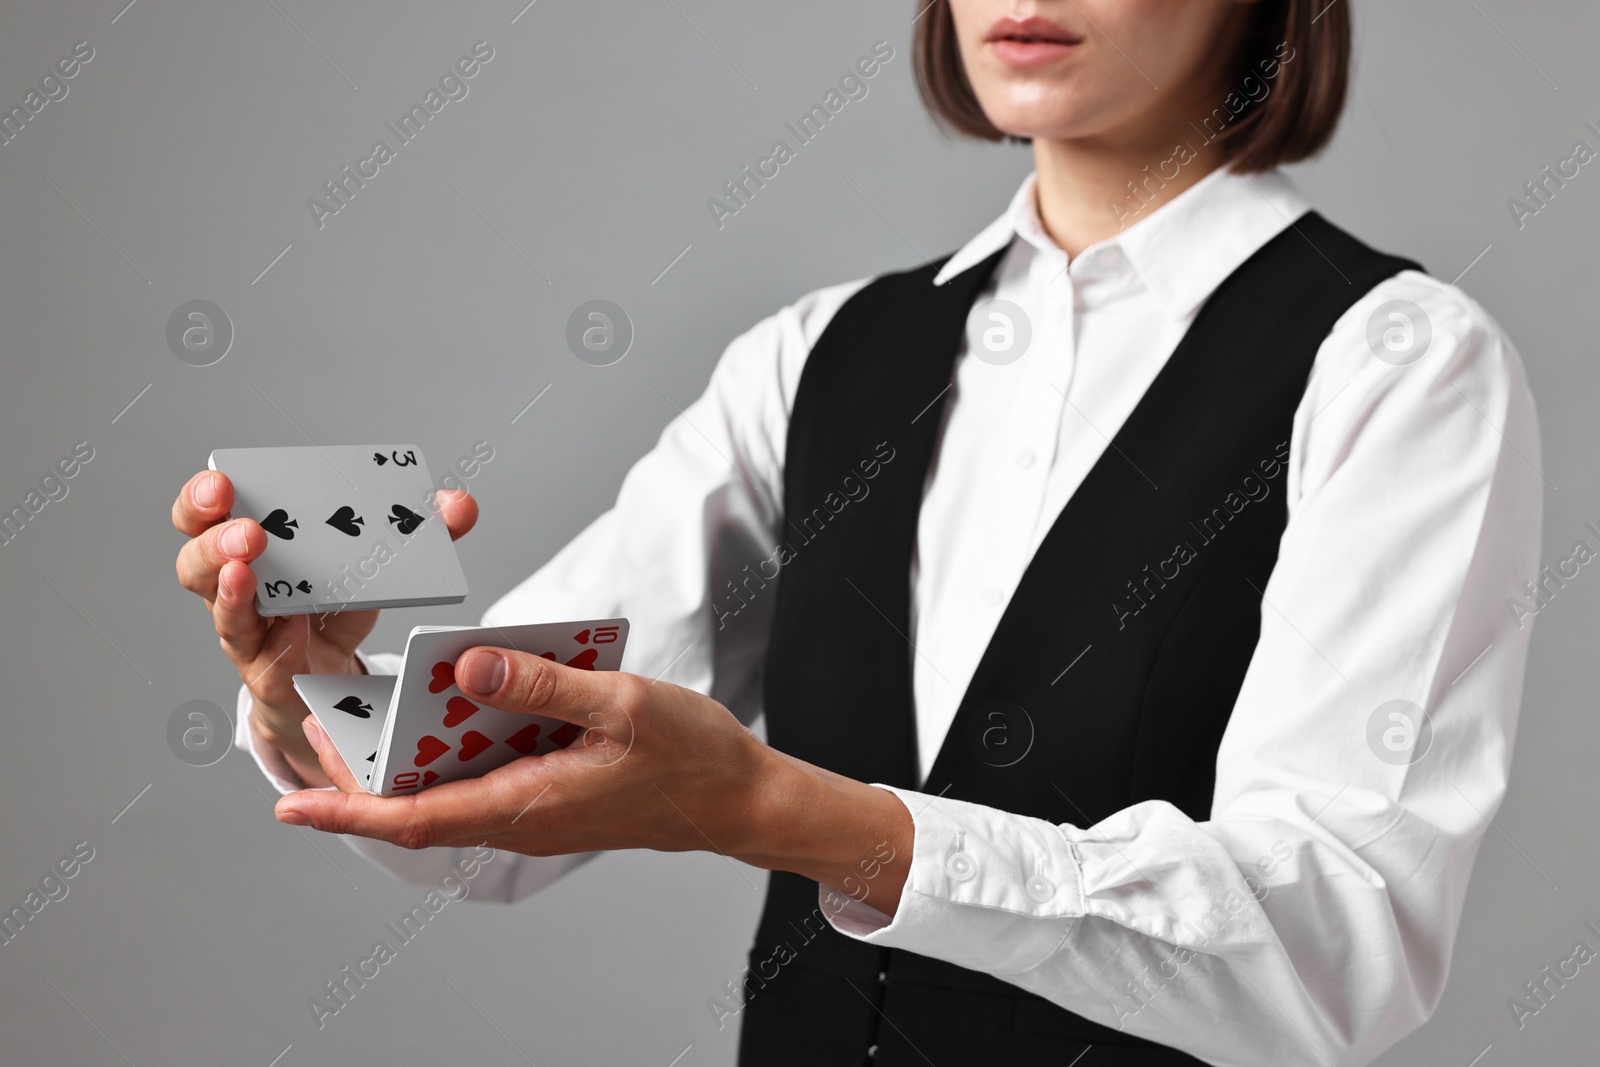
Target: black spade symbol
column 404, row 518
column 278, row 523
column 346, row 521
column 303, row 585
column 352, row 705
column 379, row 458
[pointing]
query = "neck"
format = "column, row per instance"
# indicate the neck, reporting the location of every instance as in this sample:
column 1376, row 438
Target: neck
column 1090, row 191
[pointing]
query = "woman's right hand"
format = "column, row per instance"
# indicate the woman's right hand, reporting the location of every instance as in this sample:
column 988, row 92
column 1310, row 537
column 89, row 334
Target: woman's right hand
column 214, row 564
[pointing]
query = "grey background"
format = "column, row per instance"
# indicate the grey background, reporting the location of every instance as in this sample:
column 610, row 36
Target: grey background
column 591, row 142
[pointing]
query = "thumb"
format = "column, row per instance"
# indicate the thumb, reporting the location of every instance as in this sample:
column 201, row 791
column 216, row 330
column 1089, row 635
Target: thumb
column 459, row 510
column 521, row 682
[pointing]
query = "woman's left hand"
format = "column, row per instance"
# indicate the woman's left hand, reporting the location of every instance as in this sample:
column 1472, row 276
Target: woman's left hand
column 657, row 766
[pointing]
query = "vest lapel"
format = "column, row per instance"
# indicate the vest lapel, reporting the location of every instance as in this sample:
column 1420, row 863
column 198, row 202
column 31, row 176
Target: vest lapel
column 849, row 558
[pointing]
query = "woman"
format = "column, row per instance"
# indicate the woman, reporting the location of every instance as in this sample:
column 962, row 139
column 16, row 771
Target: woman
column 1125, row 596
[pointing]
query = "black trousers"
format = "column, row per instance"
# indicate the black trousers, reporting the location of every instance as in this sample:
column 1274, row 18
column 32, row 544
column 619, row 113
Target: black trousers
column 810, row 1018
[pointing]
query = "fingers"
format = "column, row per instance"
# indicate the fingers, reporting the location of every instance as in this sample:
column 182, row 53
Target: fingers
column 459, row 509
column 517, row 681
column 333, row 764
column 454, row 811
column 278, row 657
column 233, row 609
column 206, row 553
column 203, row 501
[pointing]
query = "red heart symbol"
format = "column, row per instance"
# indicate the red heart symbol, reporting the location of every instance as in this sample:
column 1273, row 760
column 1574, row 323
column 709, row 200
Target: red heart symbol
column 547, row 655
column 525, row 740
column 472, row 743
column 458, row 710
column 565, row 734
column 444, row 676
column 429, row 778
column 429, row 749
column 585, row 660
column 582, row 637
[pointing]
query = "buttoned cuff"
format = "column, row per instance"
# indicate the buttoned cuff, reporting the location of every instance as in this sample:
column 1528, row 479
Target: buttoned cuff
column 987, row 890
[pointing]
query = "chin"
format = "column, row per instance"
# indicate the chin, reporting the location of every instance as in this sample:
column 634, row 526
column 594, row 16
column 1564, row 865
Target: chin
column 1034, row 115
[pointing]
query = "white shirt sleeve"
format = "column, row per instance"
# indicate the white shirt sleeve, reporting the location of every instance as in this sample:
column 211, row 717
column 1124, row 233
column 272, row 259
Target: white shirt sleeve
column 671, row 556
column 1310, row 920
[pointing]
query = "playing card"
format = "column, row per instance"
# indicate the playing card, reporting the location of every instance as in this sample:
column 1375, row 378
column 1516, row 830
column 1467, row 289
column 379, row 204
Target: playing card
column 352, row 709
column 428, row 730
column 436, row 734
column 348, row 527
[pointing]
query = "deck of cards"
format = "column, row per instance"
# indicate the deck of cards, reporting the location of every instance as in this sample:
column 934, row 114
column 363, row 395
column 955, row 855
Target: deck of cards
column 349, row 527
column 402, row 733
column 353, row 527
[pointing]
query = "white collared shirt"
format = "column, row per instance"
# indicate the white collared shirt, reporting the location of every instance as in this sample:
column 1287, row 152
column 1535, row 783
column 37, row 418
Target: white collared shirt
column 1310, row 919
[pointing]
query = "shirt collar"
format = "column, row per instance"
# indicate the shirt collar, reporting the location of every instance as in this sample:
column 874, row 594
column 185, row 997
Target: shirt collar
column 1181, row 251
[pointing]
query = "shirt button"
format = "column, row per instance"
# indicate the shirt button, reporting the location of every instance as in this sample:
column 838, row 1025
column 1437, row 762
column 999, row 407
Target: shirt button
column 1024, row 460
column 990, row 595
column 962, row 867
column 872, row 1052
column 883, row 977
column 1040, row 888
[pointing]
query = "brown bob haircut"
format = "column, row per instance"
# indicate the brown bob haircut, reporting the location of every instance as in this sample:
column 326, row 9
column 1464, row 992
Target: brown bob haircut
column 1291, row 122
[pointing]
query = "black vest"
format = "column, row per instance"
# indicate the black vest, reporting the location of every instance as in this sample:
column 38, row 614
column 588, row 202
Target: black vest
column 1112, row 672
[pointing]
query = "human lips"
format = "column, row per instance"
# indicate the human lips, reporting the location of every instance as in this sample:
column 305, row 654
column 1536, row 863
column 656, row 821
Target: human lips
column 1030, row 42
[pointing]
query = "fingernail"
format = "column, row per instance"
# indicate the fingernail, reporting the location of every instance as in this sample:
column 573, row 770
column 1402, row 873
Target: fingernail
column 233, row 540
column 294, row 818
column 485, row 672
column 205, row 491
